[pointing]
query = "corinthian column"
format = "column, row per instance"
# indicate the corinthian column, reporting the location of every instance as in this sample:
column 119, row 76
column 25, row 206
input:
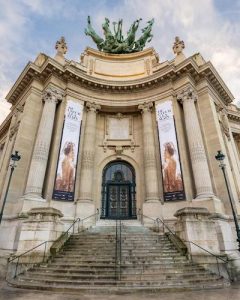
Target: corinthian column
column 199, row 162
column 86, row 177
column 41, row 149
column 150, row 165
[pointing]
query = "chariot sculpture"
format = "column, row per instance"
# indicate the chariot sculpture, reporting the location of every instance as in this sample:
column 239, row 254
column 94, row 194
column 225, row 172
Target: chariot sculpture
column 115, row 42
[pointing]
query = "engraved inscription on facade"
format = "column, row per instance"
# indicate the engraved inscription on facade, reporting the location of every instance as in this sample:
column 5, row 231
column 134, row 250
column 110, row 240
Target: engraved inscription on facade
column 118, row 128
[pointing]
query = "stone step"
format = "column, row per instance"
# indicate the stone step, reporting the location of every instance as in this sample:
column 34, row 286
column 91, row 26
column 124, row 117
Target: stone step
column 124, row 236
column 112, row 223
column 123, row 239
column 129, row 282
column 141, row 244
column 149, row 262
column 93, row 264
column 118, row 289
column 111, row 247
column 129, row 250
column 124, row 256
column 124, row 270
column 104, row 277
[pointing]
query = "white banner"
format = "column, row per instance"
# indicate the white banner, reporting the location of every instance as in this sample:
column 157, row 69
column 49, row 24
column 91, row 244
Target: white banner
column 171, row 167
column 68, row 154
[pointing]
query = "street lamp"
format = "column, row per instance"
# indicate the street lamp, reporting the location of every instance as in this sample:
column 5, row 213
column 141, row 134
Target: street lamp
column 14, row 158
column 220, row 157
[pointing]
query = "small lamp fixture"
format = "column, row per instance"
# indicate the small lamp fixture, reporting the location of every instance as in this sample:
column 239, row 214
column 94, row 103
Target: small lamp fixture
column 220, row 158
column 14, row 159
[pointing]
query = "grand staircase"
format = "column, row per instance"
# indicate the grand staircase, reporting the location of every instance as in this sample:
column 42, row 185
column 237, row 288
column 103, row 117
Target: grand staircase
column 149, row 261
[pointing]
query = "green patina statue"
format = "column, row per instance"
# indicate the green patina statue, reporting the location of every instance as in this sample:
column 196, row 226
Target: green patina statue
column 115, row 42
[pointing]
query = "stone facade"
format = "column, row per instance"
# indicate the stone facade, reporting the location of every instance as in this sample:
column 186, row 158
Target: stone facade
column 119, row 94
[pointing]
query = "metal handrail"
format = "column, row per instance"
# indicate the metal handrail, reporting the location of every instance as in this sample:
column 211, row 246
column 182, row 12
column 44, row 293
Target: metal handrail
column 173, row 233
column 50, row 241
column 141, row 216
column 118, row 249
column 217, row 257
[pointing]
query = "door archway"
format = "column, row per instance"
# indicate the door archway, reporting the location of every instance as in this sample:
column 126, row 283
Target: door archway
column 118, row 191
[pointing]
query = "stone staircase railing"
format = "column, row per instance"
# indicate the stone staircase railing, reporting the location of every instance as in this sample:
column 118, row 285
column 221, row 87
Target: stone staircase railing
column 180, row 244
column 20, row 263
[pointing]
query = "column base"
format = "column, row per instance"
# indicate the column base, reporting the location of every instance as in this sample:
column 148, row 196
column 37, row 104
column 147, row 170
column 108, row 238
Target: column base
column 153, row 210
column 212, row 203
column 152, row 200
column 32, row 200
column 84, row 209
column 43, row 224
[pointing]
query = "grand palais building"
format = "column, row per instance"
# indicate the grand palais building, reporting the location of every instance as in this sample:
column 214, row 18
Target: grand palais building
column 121, row 136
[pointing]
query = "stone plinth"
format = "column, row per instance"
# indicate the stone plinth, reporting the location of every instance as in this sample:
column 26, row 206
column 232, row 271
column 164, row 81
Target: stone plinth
column 227, row 238
column 119, row 67
column 193, row 224
column 43, row 224
column 152, row 209
column 84, row 210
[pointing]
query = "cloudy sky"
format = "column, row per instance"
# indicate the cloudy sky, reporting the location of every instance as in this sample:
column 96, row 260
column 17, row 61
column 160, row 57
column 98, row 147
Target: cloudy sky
column 27, row 27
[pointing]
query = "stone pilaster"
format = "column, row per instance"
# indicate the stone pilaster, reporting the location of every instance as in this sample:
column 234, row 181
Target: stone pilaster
column 41, row 149
column 150, row 164
column 199, row 162
column 85, row 205
column 85, row 190
column 6, row 152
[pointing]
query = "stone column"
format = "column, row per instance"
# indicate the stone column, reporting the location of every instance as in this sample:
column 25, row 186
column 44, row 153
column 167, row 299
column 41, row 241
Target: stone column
column 85, row 206
column 150, row 164
column 41, row 149
column 152, row 206
column 199, row 162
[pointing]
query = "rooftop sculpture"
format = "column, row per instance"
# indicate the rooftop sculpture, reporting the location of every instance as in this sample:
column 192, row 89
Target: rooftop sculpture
column 115, row 42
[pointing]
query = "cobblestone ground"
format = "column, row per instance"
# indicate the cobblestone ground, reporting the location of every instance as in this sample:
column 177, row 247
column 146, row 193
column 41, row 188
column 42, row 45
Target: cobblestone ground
column 231, row 293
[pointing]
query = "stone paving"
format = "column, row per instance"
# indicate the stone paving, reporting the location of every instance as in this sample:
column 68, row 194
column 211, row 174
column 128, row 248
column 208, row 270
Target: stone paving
column 231, row 293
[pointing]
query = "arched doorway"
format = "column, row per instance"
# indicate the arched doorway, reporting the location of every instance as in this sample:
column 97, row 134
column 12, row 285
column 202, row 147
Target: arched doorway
column 118, row 191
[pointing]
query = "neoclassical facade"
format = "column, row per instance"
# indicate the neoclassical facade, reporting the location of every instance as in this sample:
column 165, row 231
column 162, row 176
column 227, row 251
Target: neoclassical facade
column 125, row 134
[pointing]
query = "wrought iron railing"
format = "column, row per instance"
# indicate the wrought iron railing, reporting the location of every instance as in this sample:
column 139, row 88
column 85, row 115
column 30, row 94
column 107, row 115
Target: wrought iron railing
column 77, row 226
column 178, row 241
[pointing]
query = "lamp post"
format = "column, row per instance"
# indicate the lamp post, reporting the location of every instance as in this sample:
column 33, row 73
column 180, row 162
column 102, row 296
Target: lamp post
column 220, row 157
column 14, row 158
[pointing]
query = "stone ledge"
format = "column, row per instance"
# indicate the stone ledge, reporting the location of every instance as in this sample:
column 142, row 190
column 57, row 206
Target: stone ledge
column 187, row 211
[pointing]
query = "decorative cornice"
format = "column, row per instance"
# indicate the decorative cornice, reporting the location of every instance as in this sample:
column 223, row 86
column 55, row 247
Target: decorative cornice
column 233, row 115
column 71, row 73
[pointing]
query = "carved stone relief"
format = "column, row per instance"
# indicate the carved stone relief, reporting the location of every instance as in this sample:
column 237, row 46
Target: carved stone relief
column 119, row 133
column 16, row 121
column 223, row 120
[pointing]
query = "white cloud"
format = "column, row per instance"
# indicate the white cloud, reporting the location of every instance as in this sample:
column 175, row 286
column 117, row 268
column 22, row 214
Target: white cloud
column 202, row 27
column 198, row 23
column 4, row 110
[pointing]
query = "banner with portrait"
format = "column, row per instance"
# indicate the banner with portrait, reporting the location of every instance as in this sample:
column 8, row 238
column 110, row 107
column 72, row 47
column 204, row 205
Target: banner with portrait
column 170, row 160
column 68, row 154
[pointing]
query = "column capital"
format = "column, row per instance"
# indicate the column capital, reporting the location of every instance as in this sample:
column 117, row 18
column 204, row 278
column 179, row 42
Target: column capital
column 146, row 107
column 52, row 94
column 92, row 106
column 187, row 94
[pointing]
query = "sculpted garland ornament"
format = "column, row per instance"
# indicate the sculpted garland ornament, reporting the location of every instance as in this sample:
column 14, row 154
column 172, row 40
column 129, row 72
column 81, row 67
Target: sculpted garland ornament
column 115, row 42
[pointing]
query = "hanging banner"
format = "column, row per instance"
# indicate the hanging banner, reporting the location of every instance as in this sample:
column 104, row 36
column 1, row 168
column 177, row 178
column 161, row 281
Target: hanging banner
column 68, row 154
column 171, row 167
